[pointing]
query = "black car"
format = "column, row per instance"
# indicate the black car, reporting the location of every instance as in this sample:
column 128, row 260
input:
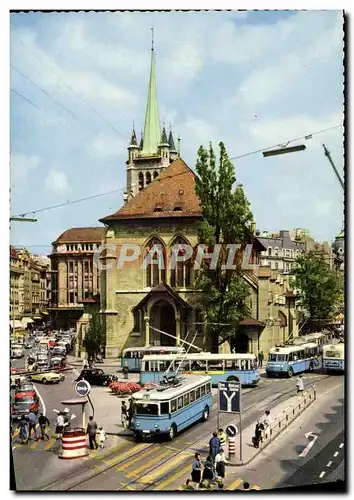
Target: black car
column 96, row 376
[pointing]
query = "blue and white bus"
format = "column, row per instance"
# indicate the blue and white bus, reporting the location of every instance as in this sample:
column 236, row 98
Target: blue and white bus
column 319, row 338
column 287, row 360
column 171, row 407
column 334, row 357
column 220, row 367
column 132, row 357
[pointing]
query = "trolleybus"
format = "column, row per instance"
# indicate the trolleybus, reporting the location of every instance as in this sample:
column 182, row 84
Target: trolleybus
column 132, row 357
column 220, row 367
column 171, row 407
column 287, row 360
column 333, row 357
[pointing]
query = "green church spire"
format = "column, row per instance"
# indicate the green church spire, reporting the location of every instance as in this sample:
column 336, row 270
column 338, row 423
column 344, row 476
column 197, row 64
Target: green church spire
column 152, row 129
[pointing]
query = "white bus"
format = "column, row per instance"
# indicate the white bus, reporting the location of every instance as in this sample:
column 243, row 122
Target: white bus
column 132, row 356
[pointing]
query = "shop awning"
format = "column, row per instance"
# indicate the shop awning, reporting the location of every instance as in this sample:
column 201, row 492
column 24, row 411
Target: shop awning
column 25, row 321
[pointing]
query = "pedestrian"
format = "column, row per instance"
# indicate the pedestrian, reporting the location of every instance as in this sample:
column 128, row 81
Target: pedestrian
column 257, row 438
column 208, row 470
column 43, row 423
column 84, row 364
column 23, row 426
column 300, row 385
column 130, row 412
column 267, row 419
column 91, row 431
column 196, row 470
column 59, row 425
column 124, row 414
column 222, row 437
column 33, row 421
column 259, row 360
column 126, row 371
column 214, row 445
column 220, row 462
column 101, row 436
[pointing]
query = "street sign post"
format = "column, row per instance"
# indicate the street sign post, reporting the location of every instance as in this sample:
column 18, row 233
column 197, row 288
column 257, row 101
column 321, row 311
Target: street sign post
column 82, row 388
column 229, row 401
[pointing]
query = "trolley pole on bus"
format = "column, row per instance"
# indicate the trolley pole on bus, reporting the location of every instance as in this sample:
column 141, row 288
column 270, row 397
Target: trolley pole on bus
column 229, row 401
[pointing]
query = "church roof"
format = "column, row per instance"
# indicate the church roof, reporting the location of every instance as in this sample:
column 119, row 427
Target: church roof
column 82, row 234
column 152, row 129
column 171, row 194
column 171, row 142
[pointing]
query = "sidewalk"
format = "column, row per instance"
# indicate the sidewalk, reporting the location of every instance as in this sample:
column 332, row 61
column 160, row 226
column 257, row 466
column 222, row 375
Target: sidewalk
column 281, row 417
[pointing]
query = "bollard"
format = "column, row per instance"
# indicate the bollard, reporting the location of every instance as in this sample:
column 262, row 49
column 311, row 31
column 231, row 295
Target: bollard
column 287, row 417
column 232, row 447
column 74, row 443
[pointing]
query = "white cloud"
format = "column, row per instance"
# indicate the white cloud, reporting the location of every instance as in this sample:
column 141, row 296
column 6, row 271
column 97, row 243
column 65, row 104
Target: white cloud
column 22, row 166
column 108, row 145
column 57, row 182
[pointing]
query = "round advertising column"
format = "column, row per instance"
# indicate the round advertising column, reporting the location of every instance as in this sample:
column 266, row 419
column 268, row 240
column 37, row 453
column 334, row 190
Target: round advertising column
column 74, row 443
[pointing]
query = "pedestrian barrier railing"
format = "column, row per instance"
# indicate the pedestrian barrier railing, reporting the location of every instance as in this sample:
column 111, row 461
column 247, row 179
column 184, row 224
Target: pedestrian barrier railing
column 287, row 416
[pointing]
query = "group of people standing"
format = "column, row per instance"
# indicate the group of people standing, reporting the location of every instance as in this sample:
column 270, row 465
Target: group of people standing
column 212, row 469
column 29, row 424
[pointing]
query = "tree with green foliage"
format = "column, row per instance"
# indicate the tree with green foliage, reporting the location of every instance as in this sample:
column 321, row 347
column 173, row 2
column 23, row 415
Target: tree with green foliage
column 94, row 336
column 226, row 220
column 316, row 284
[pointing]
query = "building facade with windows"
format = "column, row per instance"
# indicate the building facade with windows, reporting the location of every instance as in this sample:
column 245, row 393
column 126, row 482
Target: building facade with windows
column 281, row 250
column 74, row 277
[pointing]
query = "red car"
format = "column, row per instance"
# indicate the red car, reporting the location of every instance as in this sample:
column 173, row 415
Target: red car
column 23, row 403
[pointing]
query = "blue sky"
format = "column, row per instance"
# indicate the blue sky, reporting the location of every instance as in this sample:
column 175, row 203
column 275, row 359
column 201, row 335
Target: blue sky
column 251, row 79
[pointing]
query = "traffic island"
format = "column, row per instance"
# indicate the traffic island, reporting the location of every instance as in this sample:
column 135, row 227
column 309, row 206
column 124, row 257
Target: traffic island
column 286, row 414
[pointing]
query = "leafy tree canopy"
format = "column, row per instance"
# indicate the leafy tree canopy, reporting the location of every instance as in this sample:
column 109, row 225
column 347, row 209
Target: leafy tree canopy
column 317, row 285
column 226, row 220
column 94, row 336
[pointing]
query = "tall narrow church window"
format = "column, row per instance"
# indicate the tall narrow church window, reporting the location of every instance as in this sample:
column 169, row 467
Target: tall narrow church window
column 141, row 181
column 147, row 178
column 180, row 264
column 155, row 263
column 156, row 174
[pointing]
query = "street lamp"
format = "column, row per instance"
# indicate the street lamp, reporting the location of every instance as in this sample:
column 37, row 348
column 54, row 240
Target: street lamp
column 284, row 150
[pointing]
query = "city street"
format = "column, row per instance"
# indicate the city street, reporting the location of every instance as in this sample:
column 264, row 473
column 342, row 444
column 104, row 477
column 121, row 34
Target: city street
column 124, row 464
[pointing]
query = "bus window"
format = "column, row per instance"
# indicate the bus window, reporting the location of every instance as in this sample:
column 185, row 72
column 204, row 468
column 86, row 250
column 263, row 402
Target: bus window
column 272, row 357
column 215, row 365
column 146, row 409
column 199, row 365
column 280, row 357
column 165, row 408
column 163, row 365
column 127, row 355
column 192, row 396
column 202, row 390
column 180, row 402
column 173, row 405
column 244, row 364
column 290, row 357
column 208, row 388
column 184, row 365
column 186, row 400
column 197, row 393
column 231, row 364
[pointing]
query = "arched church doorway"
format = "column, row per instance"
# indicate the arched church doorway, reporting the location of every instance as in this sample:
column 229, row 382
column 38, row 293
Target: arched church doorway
column 240, row 343
column 162, row 316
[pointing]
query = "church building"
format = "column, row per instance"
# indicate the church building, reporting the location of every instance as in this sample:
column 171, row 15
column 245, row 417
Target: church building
column 139, row 301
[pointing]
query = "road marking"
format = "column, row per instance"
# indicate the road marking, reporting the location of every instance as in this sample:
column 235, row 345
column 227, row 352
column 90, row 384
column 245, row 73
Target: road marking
column 341, row 445
column 255, row 487
column 153, row 461
column 160, row 470
column 136, row 459
column 16, row 433
column 336, row 453
column 34, row 445
column 41, row 400
column 322, row 474
column 309, row 446
column 172, row 478
column 329, row 463
column 235, row 484
column 50, row 444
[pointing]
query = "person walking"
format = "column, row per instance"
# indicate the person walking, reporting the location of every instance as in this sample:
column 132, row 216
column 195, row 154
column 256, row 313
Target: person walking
column 222, row 437
column 196, row 470
column 130, row 412
column 257, row 434
column 124, row 414
column 214, row 445
column 33, row 421
column 101, row 436
column 126, row 371
column 84, row 364
column 23, row 426
column 261, row 358
column 300, row 385
column 59, row 425
column 267, row 419
column 43, row 423
column 220, row 462
column 91, row 431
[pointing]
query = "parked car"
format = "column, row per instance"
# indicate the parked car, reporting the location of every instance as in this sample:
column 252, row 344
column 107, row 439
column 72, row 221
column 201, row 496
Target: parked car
column 23, row 403
column 96, row 376
column 17, row 351
column 48, row 377
column 59, row 351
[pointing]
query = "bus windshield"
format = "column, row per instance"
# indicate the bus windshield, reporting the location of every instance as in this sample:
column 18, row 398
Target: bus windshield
column 146, row 409
column 277, row 357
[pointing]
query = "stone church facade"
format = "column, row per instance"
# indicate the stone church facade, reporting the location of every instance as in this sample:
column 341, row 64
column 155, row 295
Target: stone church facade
column 140, row 300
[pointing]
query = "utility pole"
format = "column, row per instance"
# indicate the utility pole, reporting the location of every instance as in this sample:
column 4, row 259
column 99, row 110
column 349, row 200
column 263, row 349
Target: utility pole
column 328, row 154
